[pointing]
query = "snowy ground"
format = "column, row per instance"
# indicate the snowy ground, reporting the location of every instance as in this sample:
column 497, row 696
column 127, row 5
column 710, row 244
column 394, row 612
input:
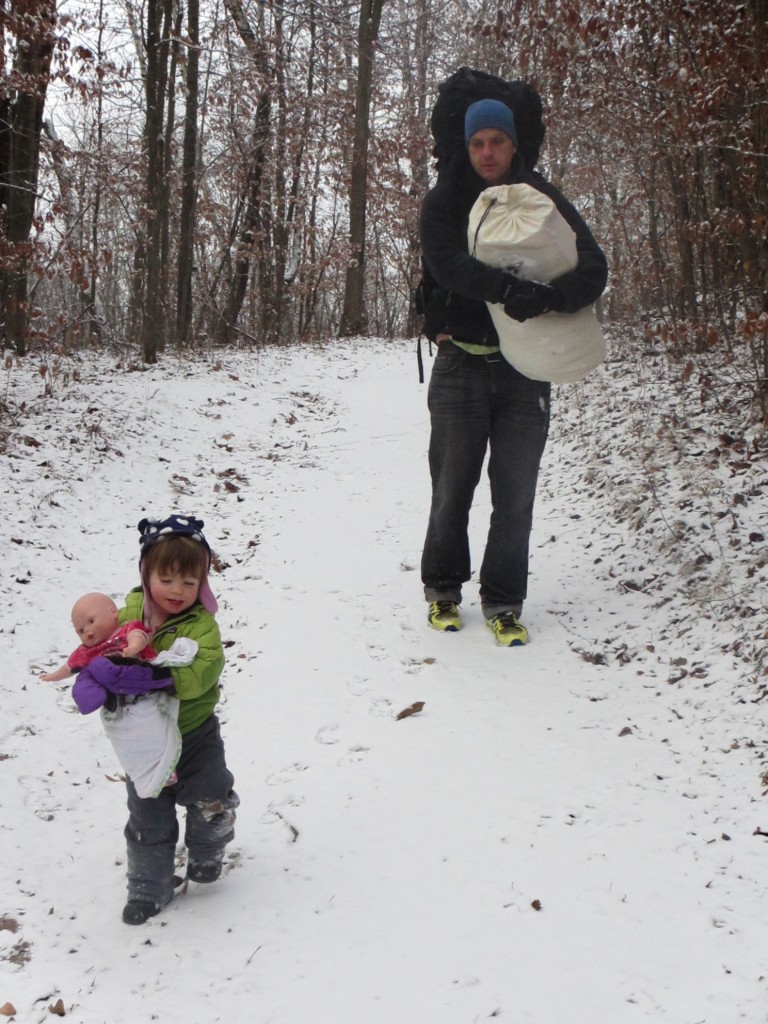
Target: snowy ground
column 568, row 832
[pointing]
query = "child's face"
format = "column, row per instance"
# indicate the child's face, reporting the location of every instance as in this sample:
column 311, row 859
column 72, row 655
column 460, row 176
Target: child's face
column 94, row 618
column 171, row 592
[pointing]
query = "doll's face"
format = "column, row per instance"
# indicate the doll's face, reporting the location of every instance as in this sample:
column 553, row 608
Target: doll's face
column 94, row 618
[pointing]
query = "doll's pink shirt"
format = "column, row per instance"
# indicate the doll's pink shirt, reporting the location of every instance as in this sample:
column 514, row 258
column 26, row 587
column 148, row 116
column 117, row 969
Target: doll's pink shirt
column 112, row 645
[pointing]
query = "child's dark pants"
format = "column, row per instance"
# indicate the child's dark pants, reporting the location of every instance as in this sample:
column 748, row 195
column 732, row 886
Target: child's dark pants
column 204, row 787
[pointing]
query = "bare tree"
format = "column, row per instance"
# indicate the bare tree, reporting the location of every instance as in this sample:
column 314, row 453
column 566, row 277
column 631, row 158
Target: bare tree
column 188, row 178
column 247, row 225
column 27, row 35
column 354, row 318
column 159, row 21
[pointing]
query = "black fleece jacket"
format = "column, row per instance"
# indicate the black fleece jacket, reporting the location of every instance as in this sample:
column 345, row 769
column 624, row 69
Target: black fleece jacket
column 458, row 285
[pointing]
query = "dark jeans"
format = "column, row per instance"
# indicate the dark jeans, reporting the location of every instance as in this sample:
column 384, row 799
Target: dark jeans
column 204, row 787
column 475, row 401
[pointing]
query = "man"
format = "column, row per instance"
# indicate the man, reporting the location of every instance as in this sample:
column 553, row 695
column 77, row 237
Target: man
column 476, row 398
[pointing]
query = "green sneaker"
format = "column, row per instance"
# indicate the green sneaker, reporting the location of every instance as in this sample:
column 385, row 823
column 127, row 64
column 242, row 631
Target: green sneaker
column 509, row 632
column 444, row 616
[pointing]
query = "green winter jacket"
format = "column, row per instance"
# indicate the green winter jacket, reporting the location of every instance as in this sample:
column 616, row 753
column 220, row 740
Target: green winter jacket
column 196, row 685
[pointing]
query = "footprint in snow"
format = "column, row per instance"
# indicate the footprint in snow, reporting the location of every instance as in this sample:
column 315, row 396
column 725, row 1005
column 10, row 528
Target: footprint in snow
column 382, row 708
column 328, row 734
column 353, row 755
column 358, row 686
column 286, row 774
column 38, row 798
column 276, row 810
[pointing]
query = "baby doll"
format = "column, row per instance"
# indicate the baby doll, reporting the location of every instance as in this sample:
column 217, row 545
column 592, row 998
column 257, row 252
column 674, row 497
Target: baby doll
column 95, row 618
column 139, row 714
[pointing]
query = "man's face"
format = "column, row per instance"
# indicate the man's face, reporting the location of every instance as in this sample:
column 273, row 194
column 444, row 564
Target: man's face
column 491, row 152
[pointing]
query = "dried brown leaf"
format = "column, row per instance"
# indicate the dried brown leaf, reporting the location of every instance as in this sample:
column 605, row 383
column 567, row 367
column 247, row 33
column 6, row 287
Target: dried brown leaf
column 593, row 657
column 58, row 1008
column 414, row 709
column 20, row 954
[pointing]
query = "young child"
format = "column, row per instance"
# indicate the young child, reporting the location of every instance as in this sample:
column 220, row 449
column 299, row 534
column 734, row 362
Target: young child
column 175, row 601
column 96, row 621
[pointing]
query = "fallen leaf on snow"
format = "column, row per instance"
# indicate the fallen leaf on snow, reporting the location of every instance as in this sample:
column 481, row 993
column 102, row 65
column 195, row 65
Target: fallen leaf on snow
column 414, row 709
column 20, row 954
column 536, row 904
column 594, row 657
column 8, row 1010
column 58, row 1008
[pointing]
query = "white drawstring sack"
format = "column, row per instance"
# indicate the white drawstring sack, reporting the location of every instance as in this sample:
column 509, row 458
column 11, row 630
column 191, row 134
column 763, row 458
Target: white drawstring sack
column 518, row 228
column 145, row 734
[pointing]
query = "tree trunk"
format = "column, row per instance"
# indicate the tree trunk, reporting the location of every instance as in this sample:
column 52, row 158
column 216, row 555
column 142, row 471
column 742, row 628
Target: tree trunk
column 189, row 180
column 251, row 226
column 21, row 122
column 416, row 84
column 354, row 319
column 95, row 322
column 159, row 20
column 686, row 301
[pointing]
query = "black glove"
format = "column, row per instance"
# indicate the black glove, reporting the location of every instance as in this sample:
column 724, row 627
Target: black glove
column 532, row 298
column 510, row 285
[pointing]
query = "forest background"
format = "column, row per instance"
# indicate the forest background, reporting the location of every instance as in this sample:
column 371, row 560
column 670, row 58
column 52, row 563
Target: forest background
column 185, row 174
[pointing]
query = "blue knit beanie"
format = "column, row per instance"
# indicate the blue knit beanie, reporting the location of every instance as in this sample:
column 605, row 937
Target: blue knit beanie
column 489, row 114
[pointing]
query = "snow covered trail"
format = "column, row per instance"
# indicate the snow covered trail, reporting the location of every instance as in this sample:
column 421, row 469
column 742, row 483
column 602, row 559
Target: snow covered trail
column 563, row 833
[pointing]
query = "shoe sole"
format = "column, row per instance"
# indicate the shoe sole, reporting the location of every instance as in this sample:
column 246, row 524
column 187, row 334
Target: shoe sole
column 140, row 916
column 204, row 879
